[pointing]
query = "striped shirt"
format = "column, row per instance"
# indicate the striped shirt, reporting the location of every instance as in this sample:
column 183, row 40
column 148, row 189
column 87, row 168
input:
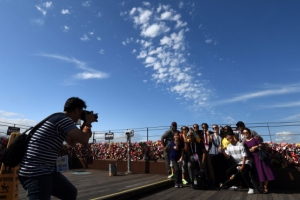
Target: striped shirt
column 44, row 145
column 237, row 152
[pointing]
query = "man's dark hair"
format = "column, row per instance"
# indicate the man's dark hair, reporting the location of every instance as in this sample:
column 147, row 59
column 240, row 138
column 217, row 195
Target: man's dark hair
column 240, row 123
column 73, row 103
column 230, row 133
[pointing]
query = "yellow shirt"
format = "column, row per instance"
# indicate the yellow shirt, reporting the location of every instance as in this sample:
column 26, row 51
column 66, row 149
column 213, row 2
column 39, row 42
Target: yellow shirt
column 225, row 143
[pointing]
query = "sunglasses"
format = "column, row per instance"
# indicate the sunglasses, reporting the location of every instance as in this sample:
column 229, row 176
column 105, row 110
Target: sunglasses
column 214, row 128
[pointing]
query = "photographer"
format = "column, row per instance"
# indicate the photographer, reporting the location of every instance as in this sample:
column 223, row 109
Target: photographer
column 37, row 173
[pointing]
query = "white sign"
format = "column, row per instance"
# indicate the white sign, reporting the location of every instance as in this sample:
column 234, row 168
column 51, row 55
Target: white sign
column 62, row 163
column 109, row 136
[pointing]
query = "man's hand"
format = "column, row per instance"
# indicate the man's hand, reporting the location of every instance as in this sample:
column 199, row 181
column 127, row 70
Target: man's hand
column 90, row 118
column 242, row 167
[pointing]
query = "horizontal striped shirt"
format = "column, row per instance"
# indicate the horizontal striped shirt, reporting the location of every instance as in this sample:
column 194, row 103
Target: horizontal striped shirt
column 237, row 152
column 45, row 145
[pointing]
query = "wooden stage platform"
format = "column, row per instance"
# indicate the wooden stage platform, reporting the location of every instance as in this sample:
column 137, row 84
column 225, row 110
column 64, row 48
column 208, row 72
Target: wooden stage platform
column 97, row 184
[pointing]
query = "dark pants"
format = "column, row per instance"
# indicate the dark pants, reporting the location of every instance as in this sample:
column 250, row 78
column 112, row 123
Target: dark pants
column 192, row 165
column 167, row 161
column 177, row 172
column 244, row 174
column 220, row 165
column 45, row 186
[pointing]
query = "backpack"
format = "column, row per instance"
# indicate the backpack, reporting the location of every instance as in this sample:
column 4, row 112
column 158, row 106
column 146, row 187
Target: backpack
column 14, row 153
column 200, row 182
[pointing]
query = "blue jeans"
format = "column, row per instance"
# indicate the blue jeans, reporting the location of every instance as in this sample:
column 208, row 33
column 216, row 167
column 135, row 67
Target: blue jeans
column 42, row 187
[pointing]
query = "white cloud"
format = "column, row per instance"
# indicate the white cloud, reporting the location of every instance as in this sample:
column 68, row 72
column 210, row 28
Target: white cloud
column 66, row 28
column 39, row 22
column 145, row 81
column 85, row 38
column 99, row 14
column 151, row 31
column 284, row 136
column 47, row 4
column 22, row 123
column 208, row 41
column 86, row 3
column 9, row 114
column 285, row 105
column 43, row 11
column 166, row 15
column 180, row 4
column 134, row 50
column 146, row 3
column 142, row 54
column 143, row 17
column 279, row 90
column 166, row 53
column 150, row 59
column 293, row 117
column 101, row 51
column 98, row 38
column 87, row 75
column 65, row 11
column 91, row 33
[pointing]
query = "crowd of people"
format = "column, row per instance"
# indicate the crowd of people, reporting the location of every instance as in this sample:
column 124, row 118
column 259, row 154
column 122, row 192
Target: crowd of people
column 228, row 158
column 194, row 148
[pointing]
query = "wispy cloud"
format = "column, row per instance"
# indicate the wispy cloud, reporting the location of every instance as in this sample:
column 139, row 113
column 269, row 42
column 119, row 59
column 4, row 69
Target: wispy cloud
column 85, row 38
column 86, row 3
column 39, row 22
column 89, row 73
column 284, row 136
column 293, row 117
column 9, row 114
column 163, row 48
column 101, row 51
column 284, row 105
column 279, row 90
column 42, row 10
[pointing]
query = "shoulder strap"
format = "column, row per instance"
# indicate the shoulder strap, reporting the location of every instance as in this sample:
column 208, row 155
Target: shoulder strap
column 34, row 128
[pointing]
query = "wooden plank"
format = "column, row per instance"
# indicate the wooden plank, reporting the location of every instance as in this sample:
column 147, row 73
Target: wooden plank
column 280, row 197
column 290, row 196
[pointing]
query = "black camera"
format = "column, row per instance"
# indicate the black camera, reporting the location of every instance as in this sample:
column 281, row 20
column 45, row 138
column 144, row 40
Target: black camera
column 82, row 117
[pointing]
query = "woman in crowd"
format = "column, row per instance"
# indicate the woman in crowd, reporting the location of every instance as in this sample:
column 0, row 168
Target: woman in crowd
column 263, row 168
column 182, row 136
column 176, row 157
column 218, row 160
column 206, row 139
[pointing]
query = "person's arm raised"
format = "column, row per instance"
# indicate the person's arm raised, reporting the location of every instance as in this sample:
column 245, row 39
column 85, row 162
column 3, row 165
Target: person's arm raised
column 83, row 134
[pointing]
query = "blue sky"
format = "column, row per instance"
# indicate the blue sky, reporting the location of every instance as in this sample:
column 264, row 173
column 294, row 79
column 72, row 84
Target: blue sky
column 147, row 63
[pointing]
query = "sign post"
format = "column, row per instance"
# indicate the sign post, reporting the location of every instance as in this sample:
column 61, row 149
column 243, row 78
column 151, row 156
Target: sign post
column 129, row 134
column 9, row 182
column 109, row 136
column 13, row 129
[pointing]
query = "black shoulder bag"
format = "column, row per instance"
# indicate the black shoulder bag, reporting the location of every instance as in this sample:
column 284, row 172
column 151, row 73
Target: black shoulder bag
column 14, row 153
